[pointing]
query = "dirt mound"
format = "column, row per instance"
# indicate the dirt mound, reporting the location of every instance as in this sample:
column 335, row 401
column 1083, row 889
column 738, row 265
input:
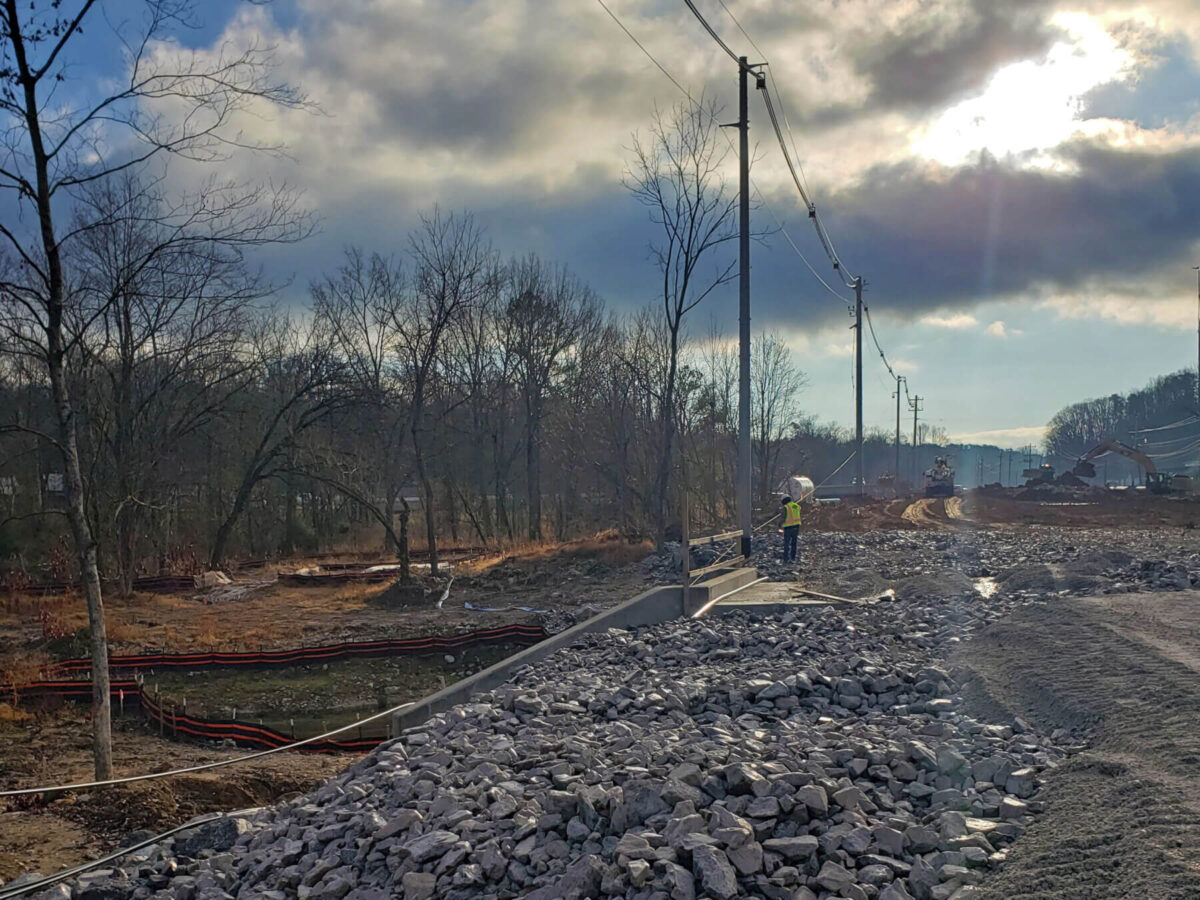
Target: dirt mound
column 417, row 592
column 156, row 805
column 1050, row 579
column 1099, row 562
column 1123, row 816
column 944, row 585
column 856, row 584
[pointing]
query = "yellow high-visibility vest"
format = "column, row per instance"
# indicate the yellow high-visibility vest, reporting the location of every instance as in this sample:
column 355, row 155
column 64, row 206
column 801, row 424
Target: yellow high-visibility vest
column 793, row 514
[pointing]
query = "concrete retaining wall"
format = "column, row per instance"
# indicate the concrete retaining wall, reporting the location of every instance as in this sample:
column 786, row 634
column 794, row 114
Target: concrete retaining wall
column 656, row 605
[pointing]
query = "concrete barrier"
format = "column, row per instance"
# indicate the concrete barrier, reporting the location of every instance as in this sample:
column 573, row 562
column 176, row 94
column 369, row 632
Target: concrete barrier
column 656, row 605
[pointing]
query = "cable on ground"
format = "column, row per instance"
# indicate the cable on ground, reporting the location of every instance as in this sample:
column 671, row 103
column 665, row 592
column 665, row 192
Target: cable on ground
column 84, row 785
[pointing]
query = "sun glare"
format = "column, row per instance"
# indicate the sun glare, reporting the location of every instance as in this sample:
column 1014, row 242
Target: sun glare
column 1031, row 105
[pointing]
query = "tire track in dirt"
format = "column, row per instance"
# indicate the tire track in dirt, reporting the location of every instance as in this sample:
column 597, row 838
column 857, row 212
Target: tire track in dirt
column 1122, row 818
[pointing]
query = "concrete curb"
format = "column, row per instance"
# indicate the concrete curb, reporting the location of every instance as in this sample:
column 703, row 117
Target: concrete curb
column 651, row 607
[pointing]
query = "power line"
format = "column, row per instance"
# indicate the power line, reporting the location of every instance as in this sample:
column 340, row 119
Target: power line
column 762, row 197
column 822, row 233
column 649, row 55
column 716, row 37
column 882, row 355
column 793, row 168
column 774, row 86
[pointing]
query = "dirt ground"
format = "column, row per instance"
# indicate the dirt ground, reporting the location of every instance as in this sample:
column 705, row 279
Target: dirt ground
column 558, row 579
column 1122, row 817
column 1123, row 670
column 53, row 746
column 49, row 834
column 1084, row 508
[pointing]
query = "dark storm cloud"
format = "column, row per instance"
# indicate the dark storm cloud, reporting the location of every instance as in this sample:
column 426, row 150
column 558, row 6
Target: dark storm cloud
column 941, row 53
column 929, row 237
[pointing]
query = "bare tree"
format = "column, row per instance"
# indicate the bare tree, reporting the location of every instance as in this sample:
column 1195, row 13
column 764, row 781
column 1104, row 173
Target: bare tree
column 547, row 309
column 179, row 104
column 171, row 297
column 453, row 263
column 299, row 383
column 775, row 382
column 677, row 174
column 361, row 305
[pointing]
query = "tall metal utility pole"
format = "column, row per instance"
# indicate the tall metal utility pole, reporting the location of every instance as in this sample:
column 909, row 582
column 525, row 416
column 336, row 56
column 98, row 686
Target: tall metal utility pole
column 743, row 492
column 1197, row 268
column 858, row 392
column 915, row 403
column 899, row 378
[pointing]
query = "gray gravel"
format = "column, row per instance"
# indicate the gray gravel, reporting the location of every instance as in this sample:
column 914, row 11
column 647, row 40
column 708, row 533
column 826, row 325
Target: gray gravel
column 816, row 754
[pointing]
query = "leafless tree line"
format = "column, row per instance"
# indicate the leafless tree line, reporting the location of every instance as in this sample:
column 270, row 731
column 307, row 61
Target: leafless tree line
column 157, row 394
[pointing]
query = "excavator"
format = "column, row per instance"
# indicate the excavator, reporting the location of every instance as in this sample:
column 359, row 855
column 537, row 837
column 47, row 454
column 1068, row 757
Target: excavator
column 1156, row 482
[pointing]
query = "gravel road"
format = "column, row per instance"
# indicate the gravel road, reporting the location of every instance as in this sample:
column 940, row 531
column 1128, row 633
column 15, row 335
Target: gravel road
column 1123, row 817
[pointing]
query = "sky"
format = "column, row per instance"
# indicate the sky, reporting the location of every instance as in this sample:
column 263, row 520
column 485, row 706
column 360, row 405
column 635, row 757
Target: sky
column 1017, row 181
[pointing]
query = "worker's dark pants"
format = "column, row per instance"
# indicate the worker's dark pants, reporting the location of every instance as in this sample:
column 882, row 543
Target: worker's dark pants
column 791, row 536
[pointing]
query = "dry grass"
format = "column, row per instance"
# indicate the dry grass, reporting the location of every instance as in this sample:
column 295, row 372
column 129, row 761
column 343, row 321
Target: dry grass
column 9, row 713
column 609, row 547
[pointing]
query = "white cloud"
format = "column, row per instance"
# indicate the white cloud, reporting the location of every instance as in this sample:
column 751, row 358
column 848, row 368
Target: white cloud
column 952, row 321
column 1032, row 105
column 1016, row 437
column 1001, row 329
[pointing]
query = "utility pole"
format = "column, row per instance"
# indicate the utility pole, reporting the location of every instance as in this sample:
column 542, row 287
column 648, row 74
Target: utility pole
column 899, row 378
column 743, row 492
column 1197, row 268
column 858, row 390
column 915, row 403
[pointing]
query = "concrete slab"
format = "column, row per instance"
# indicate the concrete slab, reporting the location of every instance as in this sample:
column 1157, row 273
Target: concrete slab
column 772, row 597
column 649, row 608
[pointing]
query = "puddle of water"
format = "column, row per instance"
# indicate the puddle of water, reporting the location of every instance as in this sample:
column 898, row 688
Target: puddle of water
column 311, row 698
column 986, row 587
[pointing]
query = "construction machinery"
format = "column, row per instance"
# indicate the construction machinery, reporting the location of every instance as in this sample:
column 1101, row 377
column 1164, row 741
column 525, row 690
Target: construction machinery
column 1156, row 482
column 1043, row 474
column 939, row 480
column 799, row 487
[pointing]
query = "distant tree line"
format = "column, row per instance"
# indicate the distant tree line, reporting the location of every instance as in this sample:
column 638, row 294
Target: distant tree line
column 439, row 393
column 1169, row 400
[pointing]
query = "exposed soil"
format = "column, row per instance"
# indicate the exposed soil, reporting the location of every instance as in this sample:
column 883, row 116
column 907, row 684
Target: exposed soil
column 1069, row 507
column 51, row 833
column 1122, row 817
column 321, row 696
column 560, row 580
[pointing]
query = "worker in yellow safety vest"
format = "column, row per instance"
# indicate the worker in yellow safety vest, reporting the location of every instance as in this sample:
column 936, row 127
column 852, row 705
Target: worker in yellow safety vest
column 791, row 528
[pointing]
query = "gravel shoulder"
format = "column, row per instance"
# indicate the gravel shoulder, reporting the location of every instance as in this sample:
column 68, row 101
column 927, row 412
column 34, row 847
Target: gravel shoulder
column 1123, row 816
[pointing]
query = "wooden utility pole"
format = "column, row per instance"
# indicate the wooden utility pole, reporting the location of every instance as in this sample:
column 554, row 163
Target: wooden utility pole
column 858, row 389
column 899, row 378
column 1197, row 268
column 744, row 474
column 915, row 403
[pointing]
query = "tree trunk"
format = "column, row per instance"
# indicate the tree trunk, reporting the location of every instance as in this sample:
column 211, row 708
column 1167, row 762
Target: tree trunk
column 533, row 467
column 85, row 545
column 226, row 527
column 289, row 513
column 664, row 467
column 402, row 542
column 126, row 551
column 427, row 499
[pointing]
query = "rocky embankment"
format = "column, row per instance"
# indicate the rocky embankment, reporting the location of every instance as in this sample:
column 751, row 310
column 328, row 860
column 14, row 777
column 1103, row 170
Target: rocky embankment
column 816, row 754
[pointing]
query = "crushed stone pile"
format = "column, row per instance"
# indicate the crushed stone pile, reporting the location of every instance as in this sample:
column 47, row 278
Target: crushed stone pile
column 814, row 754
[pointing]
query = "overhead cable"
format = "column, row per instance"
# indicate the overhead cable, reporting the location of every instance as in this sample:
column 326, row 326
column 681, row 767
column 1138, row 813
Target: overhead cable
column 716, row 37
column 86, row 785
column 686, row 93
